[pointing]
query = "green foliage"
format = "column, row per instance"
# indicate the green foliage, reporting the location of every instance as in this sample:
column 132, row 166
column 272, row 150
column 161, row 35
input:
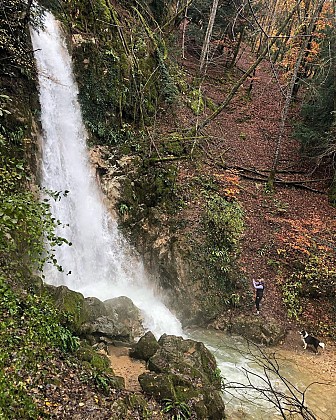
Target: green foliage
column 196, row 102
column 154, row 185
column 14, row 37
column 290, row 294
column 178, row 410
column 99, row 371
column 27, row 224
column 169, row 89
column 29, row 328
column 104, row 381
column 224, row 225
column 314, row 278
column 121, row 69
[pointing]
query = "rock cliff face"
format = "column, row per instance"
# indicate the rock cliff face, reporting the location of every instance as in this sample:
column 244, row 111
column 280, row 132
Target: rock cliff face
column 165, row 254
column 171, row 258
column 166, row 251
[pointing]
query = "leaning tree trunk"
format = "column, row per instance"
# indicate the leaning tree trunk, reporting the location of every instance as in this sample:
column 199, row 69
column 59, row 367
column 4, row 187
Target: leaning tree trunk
column 184, row 28
column 208, row 34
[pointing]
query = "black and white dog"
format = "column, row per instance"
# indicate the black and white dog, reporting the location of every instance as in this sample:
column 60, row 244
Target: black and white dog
column 310, row 340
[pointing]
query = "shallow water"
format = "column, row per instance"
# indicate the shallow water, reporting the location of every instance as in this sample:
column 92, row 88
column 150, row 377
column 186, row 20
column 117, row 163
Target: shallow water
column 235, row 360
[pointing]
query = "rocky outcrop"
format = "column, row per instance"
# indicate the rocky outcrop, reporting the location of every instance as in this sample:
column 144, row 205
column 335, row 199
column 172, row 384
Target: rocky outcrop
column 114, row 319
column 183, row 370
column 127, row 314
column 95, row 308
column 106, row 326
column 73, row 303
column 259, row 329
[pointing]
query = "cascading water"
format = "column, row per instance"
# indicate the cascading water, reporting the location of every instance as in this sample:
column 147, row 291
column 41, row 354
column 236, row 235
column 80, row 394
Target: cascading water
column 99, row 263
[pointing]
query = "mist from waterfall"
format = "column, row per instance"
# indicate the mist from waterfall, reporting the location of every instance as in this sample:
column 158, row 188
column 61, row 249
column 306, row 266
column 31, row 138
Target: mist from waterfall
column 100, row 262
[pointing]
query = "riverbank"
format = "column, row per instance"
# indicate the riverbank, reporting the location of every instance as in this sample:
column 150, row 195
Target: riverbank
column 320, row 366
column 301, row 367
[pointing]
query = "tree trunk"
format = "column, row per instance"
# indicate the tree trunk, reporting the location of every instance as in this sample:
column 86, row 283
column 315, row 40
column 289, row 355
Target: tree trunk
column 184, row 28
column 247, row 73
column 27, row 13
column 208, row 34
column 289, row 94
column 236, row 51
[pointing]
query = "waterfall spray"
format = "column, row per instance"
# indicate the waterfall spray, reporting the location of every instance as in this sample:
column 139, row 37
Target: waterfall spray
column 100, row 262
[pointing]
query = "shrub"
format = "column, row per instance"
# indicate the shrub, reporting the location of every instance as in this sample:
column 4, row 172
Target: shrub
column 223, row 225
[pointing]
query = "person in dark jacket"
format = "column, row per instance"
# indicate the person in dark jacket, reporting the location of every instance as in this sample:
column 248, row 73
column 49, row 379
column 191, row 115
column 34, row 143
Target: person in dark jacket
column 259, row 287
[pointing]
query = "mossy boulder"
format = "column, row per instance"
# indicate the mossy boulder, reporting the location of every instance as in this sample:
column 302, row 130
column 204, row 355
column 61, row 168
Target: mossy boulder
column 146, row 347
column 187, row 357
column 184, row 370
column 71, row 302
column 158, row 385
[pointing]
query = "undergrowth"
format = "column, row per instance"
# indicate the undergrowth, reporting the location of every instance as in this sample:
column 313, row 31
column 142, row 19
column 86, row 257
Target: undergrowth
column 29, row 330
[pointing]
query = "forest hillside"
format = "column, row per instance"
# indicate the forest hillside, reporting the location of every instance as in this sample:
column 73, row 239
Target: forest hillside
column 211, row 127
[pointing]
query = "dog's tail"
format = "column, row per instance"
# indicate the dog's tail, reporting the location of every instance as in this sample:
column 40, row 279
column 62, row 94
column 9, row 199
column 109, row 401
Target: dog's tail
column 322, row 345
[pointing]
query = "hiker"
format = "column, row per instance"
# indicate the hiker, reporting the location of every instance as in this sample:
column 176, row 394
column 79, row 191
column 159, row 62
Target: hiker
column 259, row 286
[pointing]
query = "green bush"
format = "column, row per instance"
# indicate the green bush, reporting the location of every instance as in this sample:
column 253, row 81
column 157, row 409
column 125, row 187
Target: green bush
column 178, row 410
column 29, row 328
column 291, row 297
column 223, row 225
column 26, row 223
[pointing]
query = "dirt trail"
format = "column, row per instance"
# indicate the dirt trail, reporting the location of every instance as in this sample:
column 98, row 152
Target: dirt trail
column 123, row 365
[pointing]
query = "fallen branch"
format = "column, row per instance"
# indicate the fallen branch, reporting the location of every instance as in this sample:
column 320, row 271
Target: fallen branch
column 168, row 159
column 298, row 185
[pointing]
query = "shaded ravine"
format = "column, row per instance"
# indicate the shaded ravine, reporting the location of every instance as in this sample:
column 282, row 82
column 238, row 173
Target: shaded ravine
column 100, row 262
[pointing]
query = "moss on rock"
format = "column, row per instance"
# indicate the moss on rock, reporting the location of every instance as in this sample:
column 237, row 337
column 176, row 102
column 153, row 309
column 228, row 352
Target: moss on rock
column 70, row 302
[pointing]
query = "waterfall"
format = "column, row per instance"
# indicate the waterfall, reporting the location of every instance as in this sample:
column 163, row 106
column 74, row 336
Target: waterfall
column 100, row 262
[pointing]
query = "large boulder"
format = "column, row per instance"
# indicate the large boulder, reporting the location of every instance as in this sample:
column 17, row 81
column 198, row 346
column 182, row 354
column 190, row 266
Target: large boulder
column 95, row 308
column 186, row 357
column 146, row 347
column 158, row 386
column 127, row 314
column 259, row 329
column 184, row 370
column 71, row 302
column 107, row 326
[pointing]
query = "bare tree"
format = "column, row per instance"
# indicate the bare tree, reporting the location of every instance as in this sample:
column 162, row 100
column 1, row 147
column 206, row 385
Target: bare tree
column 208, row 34
column 290, row 89
column 271, row 386
column 250, row 70
column 183, row 27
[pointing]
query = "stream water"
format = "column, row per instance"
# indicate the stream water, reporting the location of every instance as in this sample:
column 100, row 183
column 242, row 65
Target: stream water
column 100, row 262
